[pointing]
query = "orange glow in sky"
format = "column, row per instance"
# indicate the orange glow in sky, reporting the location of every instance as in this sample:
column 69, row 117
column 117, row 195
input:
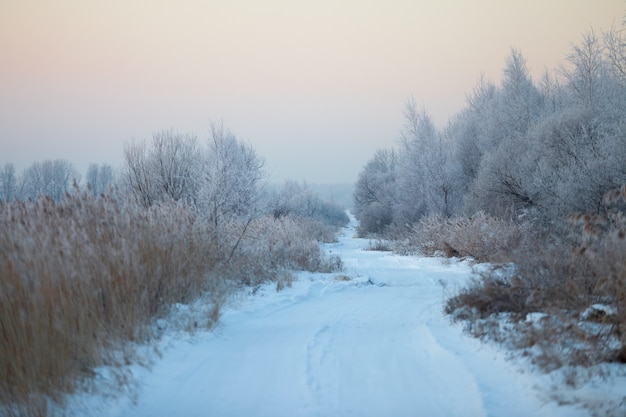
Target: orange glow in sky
column 315, row 87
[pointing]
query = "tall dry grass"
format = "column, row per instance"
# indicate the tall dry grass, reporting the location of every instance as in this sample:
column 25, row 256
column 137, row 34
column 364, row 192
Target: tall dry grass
column 80, row 276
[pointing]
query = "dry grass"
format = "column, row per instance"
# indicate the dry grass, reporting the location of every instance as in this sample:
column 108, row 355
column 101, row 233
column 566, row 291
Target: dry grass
column 78, row 277
column 83, row 277
column 564, row 281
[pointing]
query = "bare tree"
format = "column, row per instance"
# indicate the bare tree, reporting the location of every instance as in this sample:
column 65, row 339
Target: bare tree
column 136, row 174
column 53, row 178
column 166, row 169
column 175, row 160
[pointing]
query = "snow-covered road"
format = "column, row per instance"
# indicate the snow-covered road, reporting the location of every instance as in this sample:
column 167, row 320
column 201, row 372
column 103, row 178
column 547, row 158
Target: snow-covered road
column 377, row 344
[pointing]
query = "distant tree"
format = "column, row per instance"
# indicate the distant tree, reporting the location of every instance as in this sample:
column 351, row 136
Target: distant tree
column 375, row 192
column 426, row 181
column 99, row 177
column 8, row 183
column 295, row 199
column 53, row 178
column 299, row 200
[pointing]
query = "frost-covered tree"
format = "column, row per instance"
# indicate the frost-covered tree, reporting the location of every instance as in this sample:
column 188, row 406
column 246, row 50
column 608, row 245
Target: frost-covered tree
column 517, row 149
column 136, row 174
column 295, row 199
column 615, row 42
column 221, row 179
column 581, row 145
column 426, row 183
column 176, row 158
column 230, row 177
column 500, row 184
column 165, row 169
column 299, row 200
column 551, row 88
column 587, row 79
column 469, row 133
column 417, row 137
column 375, row 192
column 521, row 101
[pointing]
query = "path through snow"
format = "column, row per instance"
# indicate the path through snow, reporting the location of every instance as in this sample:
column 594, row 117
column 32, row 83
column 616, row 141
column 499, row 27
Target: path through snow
column 375, row 345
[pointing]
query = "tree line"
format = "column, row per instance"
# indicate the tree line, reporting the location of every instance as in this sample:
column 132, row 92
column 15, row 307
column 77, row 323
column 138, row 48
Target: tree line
column 529, row 177
column 518, row 149
column 51, row 177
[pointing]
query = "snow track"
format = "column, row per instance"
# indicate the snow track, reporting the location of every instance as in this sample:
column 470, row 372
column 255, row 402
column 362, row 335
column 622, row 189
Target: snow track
column 375, row 345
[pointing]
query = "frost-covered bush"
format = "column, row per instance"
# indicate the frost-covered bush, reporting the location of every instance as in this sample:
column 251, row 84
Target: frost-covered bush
column 482, row 237
column 375, row 218
column 271, row 246
column 299, row 200
column 581, row 281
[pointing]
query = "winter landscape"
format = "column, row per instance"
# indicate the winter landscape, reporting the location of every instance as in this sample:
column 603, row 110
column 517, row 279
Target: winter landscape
column 369, row 341
column 471, row 263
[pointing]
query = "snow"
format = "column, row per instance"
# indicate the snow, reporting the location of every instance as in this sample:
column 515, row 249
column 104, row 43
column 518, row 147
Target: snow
column 375, row 345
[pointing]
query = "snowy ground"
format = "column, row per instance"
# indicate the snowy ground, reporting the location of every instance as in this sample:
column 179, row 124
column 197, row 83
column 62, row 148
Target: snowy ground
column 374, row 345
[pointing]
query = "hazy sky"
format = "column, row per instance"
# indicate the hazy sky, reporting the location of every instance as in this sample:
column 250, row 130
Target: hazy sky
column 315, row 86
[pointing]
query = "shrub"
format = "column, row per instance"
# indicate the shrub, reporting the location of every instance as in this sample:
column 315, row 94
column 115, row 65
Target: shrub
column 482, row 237
column 271, row 245
column 566, row 280
column 381, row 245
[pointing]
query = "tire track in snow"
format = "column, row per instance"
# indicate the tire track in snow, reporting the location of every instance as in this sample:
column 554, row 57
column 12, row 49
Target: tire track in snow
column 320, row 366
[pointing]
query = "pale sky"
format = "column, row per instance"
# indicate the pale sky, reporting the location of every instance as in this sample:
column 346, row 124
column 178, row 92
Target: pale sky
column 315, row 86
